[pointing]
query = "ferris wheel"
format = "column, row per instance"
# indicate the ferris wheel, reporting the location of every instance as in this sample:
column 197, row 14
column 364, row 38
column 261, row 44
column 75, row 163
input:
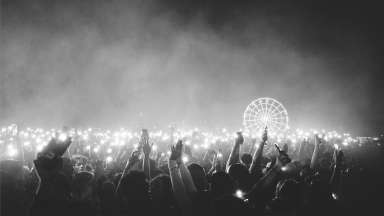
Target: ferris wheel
column 266, row 112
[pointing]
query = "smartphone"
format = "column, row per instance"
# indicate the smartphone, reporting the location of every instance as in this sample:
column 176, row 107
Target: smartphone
column 278, row 148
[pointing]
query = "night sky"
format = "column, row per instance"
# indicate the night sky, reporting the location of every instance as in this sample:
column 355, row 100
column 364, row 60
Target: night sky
column 197, row 62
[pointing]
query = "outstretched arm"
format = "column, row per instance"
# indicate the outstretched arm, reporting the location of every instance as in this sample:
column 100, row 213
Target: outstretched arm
column 187, row 178
column 178, row 188
column 258, row 155
column 234, row 157
column 335, row 181
column 301, row 150
column 134, row 159
column 147, row 148
column 316, row 153
column 262, row 190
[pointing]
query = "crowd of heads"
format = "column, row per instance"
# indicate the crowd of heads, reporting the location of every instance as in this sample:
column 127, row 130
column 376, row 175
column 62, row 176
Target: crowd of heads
column 178, row 172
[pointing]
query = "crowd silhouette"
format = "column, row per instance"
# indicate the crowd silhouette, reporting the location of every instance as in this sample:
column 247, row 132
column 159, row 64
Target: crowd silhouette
column 314, row 179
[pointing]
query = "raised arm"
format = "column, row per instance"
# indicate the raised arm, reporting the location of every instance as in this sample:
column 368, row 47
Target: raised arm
column 134, row 159
column 178, row 188
column 262, row 190
column 234, row 157
column 316, row 152
column 258, row 155
column 335, row 181
column 301, row 150
column 186, row 177
column 146, row 161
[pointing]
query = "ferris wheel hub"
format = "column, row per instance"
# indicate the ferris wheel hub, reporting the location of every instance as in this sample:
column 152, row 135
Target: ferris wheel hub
column 266, row 112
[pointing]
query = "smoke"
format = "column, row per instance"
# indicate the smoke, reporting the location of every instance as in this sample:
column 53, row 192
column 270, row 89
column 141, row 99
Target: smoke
column 129, row 63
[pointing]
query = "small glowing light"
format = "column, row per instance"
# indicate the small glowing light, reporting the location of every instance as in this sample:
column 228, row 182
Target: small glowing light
column 188, row 142
column 168, row 152
column 109, row 150
column 219, row 155
column 135, row 145
column 165, row 137
column 88, row 147
column 62, row 137
column 12, row 152
column 162, row 154
column 284, row 168
column 195, row 146
column 39, row 148
column 185, row 159
column 345, row 143
column 239, row 194
column 108, row 159
column 154, row 147
column 85, row 137
column 334, row 196
column 96, row 149
column 336, row 146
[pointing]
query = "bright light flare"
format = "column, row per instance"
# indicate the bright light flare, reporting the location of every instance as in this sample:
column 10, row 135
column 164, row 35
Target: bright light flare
column 96, row 149
column 239, row 194
column 109, row 159
column 154, row 147
column 336, row 146
column 62, row 137
column 12, row 152
column 185, row 159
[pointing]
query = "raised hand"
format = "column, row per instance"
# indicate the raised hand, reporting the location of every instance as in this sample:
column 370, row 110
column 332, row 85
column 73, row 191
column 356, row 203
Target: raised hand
column 134, row 157
column 239, row 138
column 55, row 148
column 176, row 151
column 339, row 157
column 147, row 147
column 265, row 135
column 282, row 158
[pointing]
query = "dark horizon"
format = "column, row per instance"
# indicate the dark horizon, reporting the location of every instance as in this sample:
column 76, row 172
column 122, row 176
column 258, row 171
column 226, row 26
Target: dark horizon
column 117, row 63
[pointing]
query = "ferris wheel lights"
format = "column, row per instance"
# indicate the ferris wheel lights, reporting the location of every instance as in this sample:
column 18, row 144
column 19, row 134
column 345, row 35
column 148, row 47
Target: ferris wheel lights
column 266, row 112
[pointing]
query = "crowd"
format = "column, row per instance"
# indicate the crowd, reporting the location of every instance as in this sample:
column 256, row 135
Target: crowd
column 189, row 172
